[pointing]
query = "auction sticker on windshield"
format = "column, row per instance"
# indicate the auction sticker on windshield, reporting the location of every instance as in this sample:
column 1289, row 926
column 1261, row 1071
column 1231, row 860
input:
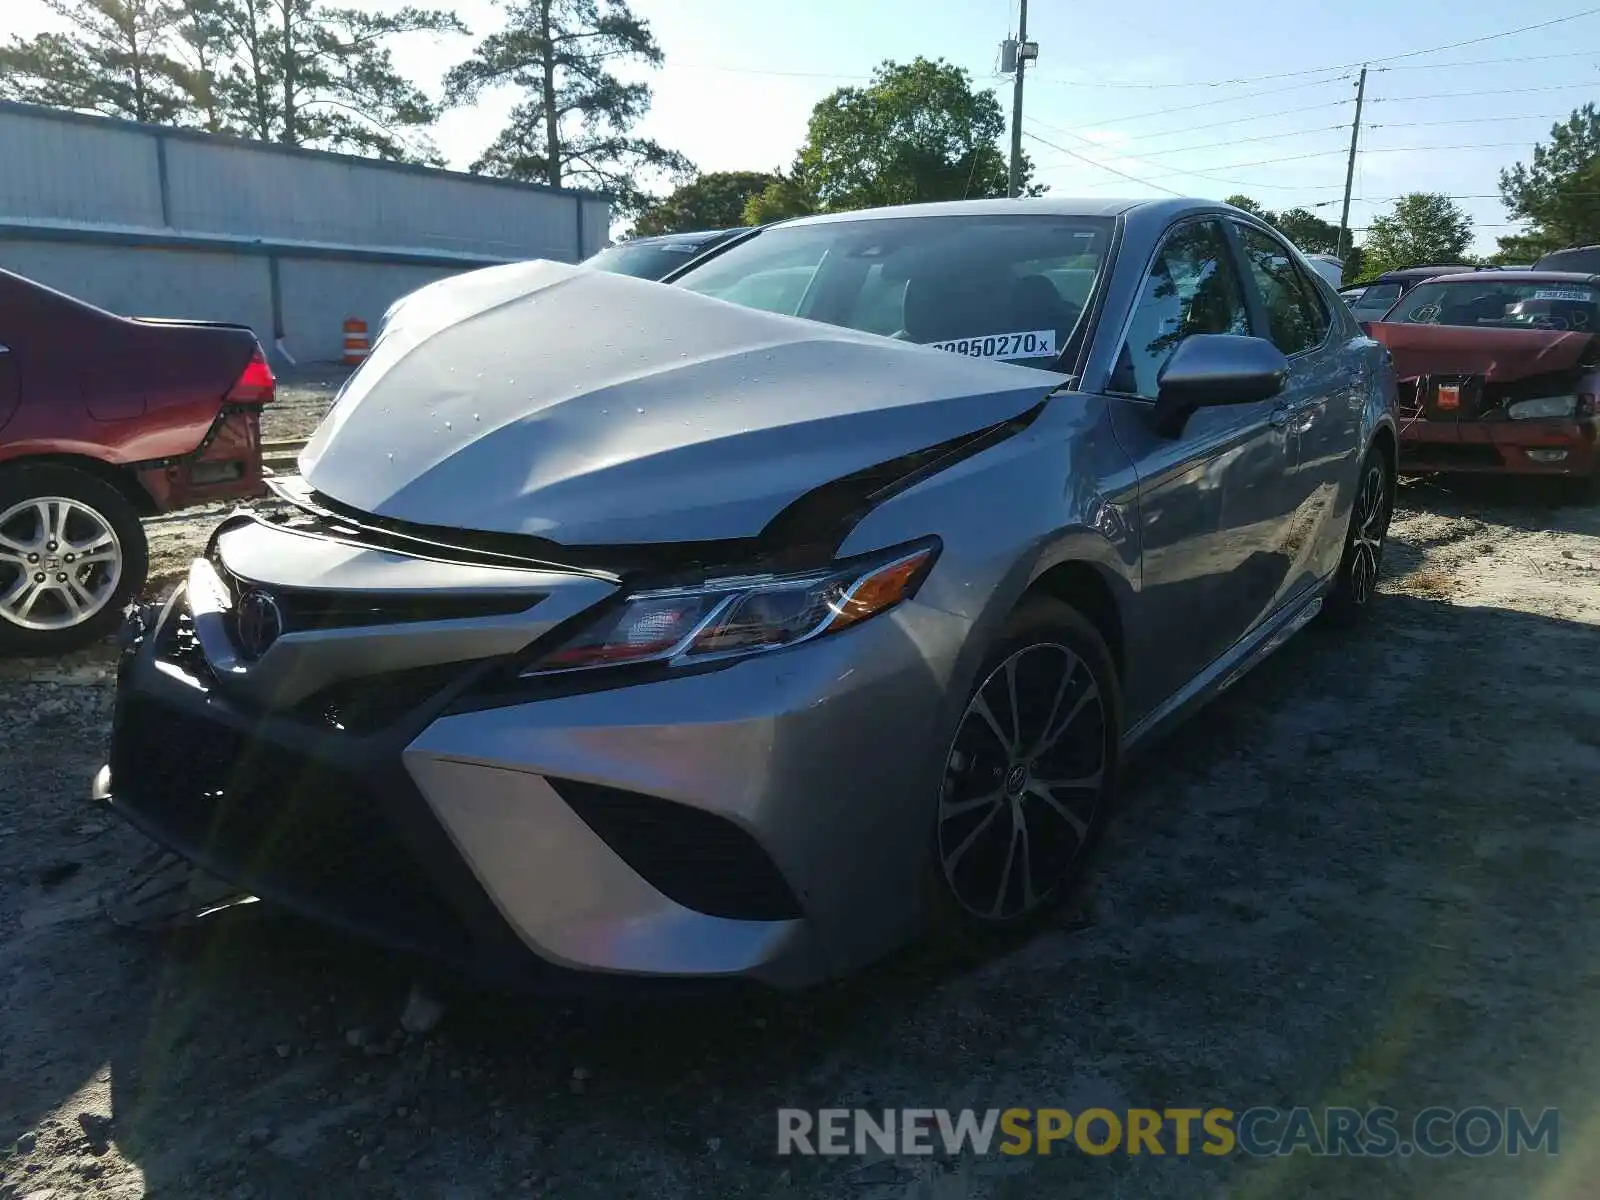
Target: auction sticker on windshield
column 1039, row 343
column 1563, row 294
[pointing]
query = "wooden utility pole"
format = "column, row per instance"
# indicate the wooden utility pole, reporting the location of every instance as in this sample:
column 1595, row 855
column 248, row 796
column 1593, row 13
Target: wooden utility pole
column 1350, row 167
column 1015, row 188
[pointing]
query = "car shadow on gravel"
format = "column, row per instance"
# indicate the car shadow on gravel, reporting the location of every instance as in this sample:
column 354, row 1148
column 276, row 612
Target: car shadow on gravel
column 1339, row 883
column 1516, row 501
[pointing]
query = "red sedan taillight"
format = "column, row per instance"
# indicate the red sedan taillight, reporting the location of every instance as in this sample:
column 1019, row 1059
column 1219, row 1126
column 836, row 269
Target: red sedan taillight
column 256, row 385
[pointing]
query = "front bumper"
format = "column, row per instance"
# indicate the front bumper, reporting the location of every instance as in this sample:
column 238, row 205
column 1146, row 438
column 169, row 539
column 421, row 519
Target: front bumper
column 1562, row 447
column 765, row 822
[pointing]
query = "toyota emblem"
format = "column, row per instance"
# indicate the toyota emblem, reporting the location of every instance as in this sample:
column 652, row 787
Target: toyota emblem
column 259, row 623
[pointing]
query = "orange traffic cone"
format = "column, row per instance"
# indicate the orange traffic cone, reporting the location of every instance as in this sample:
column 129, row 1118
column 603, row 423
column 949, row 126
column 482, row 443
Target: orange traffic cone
column 355, row 341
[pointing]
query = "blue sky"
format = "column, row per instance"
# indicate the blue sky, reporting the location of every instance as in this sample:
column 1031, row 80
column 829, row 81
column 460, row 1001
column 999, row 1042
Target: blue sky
column 1135, row 89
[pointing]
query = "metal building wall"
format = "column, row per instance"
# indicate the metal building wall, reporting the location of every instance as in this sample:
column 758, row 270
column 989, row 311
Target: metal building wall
column 151, row 221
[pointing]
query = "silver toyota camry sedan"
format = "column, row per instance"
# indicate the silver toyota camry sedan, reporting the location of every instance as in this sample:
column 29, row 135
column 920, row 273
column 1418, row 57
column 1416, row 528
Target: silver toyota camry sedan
column 752, row 623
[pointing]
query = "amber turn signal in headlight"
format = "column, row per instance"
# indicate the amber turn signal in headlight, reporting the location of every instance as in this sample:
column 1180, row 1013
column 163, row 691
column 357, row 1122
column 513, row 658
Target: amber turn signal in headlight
column 744, row 615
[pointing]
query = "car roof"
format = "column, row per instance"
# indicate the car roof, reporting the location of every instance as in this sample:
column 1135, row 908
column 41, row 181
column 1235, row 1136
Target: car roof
column 1503, row 276
column 1426, row 272
column 1046, row 206
column 698, row 235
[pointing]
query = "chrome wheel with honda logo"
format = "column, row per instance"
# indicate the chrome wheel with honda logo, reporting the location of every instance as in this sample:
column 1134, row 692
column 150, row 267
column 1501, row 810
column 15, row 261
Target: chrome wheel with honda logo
column 72, row 555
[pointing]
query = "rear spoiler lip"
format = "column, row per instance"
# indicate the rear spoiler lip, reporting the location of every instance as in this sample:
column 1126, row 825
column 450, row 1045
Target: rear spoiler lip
column 193, row 324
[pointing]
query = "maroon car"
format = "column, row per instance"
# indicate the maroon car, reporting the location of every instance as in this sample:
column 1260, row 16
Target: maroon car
column 1499, row 371
column 103, row 420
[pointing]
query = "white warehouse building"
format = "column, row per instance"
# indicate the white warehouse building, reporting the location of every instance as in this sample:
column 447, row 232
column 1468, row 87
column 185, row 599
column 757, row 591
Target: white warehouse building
column 150, row 221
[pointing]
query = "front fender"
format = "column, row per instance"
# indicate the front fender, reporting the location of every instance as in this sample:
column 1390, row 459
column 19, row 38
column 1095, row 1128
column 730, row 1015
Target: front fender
column 1005, row 517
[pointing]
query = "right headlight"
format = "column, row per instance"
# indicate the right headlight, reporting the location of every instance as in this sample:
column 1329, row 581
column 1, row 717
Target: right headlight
column 1544, row 406
column 745, row 615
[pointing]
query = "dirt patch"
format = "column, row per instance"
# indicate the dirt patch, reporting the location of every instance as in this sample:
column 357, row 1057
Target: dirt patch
column 1365, row 875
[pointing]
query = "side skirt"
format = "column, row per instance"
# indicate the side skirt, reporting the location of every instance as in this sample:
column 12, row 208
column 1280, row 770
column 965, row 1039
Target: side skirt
column 1227, row 670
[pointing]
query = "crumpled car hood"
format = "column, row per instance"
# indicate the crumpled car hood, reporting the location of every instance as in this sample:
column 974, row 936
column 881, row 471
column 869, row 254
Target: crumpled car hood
column 593, row 409
column 1500, row 355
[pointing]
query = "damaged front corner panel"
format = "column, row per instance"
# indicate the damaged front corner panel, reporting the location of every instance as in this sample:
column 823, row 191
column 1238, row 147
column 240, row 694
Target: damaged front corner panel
column 810, row 531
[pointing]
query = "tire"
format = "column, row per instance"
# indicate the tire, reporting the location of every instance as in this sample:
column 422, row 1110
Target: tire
column 1356, row 584
column 1057, row 661
column 107, row 570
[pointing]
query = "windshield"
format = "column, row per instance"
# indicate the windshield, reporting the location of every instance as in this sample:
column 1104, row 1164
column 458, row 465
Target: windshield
column 1508, row 305
column 1375, row 301
column 650, row 260
column 1010, row 288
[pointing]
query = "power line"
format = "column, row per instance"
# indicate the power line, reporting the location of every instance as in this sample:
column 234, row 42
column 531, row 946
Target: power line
column 1588, row 12
column 1154, row 154
column 1263, row 162
column 1071, row 154
column 1282, row 112
column 1471, row 121
column 1213, row 83
column 1492, row 62
column 1288, row 158
column 1478, row 95
column 1489, row 37
column 1161, row 112
column 1198, row 174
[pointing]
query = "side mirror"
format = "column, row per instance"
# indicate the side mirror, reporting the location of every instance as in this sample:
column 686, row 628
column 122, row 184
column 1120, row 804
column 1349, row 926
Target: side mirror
column 1209, row 369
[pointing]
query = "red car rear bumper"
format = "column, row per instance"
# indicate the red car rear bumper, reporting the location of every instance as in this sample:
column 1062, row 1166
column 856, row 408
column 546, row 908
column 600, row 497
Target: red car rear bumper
column 1565, row 447
column 227, row 465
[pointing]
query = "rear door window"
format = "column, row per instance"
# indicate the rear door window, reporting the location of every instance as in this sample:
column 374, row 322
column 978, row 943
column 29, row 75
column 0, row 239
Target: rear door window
column 1296, row 319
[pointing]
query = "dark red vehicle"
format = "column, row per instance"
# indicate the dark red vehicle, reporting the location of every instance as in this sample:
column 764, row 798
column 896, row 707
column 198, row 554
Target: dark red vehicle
column 1499, row 371
column 103, row 420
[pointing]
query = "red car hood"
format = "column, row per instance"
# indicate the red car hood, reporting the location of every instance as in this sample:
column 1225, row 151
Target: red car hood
column 1500, row 355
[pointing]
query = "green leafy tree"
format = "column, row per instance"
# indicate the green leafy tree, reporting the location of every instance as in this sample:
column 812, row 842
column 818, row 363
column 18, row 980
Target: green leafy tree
column 572, row 126
column 1304, row 228
column 785, row 197
column 715, row 200
column 916, row 132
column 1559, row 191
column 300, row 73
column 201, row 50
column 1521, row 249
column 113, row 60
column 1422, row 228
column 296, row 72
column 1251, row 207
column 1308, row 231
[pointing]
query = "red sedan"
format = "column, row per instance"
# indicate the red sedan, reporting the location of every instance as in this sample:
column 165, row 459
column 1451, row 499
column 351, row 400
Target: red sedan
column 103, row 420
column 1499, row 372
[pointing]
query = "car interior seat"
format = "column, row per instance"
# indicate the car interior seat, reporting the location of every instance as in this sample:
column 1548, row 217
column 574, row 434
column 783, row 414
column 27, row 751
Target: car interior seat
column 1036, row 304
column 936, row 309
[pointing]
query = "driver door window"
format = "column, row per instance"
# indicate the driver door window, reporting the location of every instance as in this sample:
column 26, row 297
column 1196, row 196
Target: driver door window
column 1193, row 287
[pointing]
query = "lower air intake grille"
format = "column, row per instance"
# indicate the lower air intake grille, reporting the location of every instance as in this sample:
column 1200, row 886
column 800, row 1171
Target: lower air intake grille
column 700, row 860
column 285, row 826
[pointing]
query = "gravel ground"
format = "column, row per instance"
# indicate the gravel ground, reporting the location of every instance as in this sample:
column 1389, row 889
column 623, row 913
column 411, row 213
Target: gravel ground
column 1366, row 875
